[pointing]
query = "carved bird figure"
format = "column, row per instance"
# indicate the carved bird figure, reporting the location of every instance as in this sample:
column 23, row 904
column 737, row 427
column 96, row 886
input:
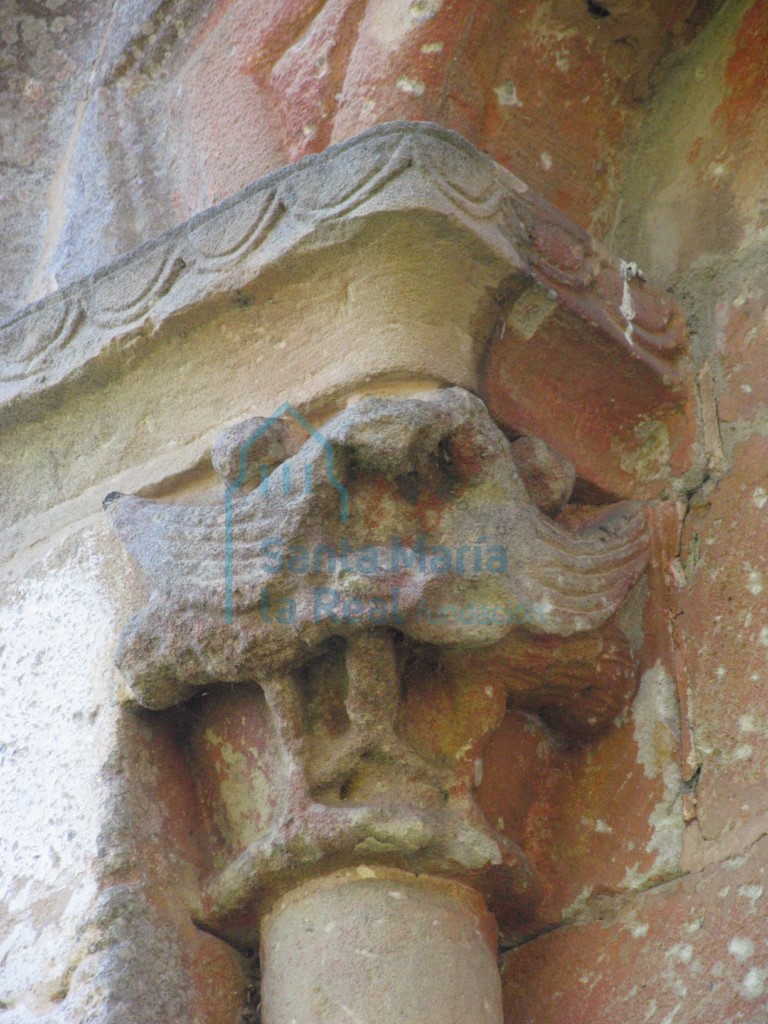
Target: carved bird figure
column 405, row 514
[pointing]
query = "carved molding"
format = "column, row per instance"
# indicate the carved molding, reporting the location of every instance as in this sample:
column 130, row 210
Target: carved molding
column 640, row 336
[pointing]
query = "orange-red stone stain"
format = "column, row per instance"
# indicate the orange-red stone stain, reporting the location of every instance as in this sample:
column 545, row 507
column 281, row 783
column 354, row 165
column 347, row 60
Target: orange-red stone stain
column 746, row 74
column 695, row 150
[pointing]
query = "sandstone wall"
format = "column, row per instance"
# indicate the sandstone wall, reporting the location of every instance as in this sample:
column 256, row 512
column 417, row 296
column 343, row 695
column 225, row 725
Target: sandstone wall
column 120, row 120
column 646, row 122
column 692, row 212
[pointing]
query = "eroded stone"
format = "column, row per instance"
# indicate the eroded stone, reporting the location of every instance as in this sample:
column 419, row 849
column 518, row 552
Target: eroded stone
column 322, row 585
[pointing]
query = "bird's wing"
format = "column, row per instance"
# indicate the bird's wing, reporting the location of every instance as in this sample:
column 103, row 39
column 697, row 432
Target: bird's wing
column 177, row 546
column 577, row 578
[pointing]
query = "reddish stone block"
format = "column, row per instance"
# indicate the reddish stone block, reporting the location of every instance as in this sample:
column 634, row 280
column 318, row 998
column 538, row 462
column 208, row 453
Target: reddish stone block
column 605, row 816
column 742, row 116
column 418, row 61
column 593, row 363
column 694, row 195
column 725, row 612
column 692, row 951
column 152, row 851
column 304, row 74
column 740, row 323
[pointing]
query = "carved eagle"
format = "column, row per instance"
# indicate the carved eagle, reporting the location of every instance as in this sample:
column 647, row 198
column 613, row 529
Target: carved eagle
column 410, row 514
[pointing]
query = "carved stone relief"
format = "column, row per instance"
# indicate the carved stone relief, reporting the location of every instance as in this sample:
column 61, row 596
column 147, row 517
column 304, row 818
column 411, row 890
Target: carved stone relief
column 408, row 541
column 556, row 291
column 344, row 626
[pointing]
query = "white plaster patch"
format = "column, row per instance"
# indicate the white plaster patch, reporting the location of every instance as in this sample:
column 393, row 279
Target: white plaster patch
column 683, row 953
column 651, row 1011
column 423, row 10
column 578, row 905
column 546, row 161
column 760, row 497
column 762, row 638
column 655, row 708
column 530, row 311
column 655, row 719
column 58, row 631
column 629, row 271
column 754, row 582
column 741, row 948
column 671, row 1016
column 432, row 48
column 506, row 94
column 411, row 86
column 753, row 984
column 751, row 892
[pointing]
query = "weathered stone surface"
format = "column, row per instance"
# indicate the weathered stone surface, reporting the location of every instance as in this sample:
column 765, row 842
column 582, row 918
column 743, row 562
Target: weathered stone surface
column 397, row 167
column 739, row 320
column 415, row 948
column 437, row 475
column 692, row 950
column 247, row 278
column 94, row 860
column 300, row 335
column 691, row 209
column 403, row 521
column 548, row 477
column 725, row 620
column 559, row 381
column 688, row 197
column 88, row 163
column 44, row 56
column 113, row 408
column 242, row 93
column 121, row 122
column 604, row 816
column 56, row 630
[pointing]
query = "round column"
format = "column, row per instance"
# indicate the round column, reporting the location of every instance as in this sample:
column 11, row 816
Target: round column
column 376, row 945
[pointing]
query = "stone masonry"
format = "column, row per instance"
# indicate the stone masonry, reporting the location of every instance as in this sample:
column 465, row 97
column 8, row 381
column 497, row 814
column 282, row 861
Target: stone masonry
column 413, row 667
